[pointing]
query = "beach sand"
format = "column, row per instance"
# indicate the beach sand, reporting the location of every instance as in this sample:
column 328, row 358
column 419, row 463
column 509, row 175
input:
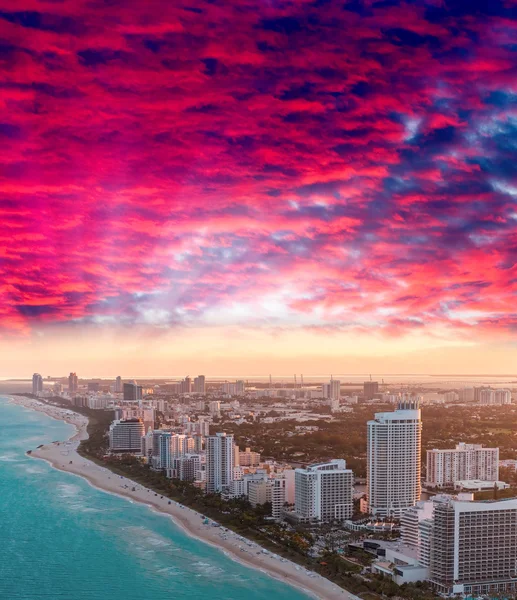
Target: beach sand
column 63, row 455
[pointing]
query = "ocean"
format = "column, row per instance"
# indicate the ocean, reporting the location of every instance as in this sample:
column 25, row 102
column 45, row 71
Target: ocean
column 61, row 539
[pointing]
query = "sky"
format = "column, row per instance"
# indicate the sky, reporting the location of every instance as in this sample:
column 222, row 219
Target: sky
column 243, row 186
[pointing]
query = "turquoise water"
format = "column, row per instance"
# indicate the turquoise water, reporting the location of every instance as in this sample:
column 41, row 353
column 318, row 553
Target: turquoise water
column 61, row 539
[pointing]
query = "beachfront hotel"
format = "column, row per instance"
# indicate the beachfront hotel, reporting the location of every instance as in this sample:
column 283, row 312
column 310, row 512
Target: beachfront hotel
column 323, row 492
column 393, row 460
column 474, row 547
column 126, row 435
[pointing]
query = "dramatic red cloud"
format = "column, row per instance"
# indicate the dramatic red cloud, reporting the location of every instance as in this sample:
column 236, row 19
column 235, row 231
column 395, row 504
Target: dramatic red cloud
column 356, row 161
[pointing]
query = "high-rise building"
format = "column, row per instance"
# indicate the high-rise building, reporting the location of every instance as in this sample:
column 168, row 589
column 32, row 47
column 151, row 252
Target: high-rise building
column 214, row 407
column 73, row 383
column 332, row 390
column 323, row 492
column 118, row 385
column 37, row 384
column 393, row 460
column 199, row 384
column 219, row 462
column 370, row 389
column 132, row 392
column 268, row 490
column 450, row 397
column 185, row 467
column 234, row 389
column 486, row 396
column 503, row 397
column 466, row 394
column 477, row 392
column 126, row 435
column 465, row 462
column 474, row 547
column 171, row 446
column 185, row 386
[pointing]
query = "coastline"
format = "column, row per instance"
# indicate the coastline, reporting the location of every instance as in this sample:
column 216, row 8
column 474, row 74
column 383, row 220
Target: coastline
column 63, row 455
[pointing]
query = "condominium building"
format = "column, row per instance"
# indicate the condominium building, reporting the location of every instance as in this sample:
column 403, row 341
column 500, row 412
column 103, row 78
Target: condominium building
column 214, row 407
column 126, row 435
column 486, row 396
column 199, row 384
column 234, row 389
column 503, row 397
column 268, row 490
column 185, row 467
column 332, row 390
column 132, row 392
column 171, row 446
column 185, row 386
column 259, row 492
column 465, row 462
column 37, row 384
column 474, row 547
column 278, row 496
column 323, row 492
column 466, row 394
column 73, row 383
column 249, row 458
column 393, row 460
column 219, row 462
column 118, row 385
column 370, row 389
column 199, row 427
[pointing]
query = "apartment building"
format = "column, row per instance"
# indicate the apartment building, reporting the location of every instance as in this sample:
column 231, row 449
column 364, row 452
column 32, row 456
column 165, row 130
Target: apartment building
column 465, row 462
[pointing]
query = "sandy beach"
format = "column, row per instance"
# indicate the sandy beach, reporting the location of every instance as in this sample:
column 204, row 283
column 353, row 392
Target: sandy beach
column 63, row 455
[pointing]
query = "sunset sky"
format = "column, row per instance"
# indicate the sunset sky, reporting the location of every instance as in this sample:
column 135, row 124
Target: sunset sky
column 256, row 186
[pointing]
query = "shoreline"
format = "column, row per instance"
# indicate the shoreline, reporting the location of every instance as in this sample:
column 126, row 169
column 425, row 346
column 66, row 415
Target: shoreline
column 63, row 456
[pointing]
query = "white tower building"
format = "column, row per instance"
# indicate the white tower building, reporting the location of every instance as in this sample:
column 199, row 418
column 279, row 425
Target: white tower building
column 219, row 462
column 393, row 460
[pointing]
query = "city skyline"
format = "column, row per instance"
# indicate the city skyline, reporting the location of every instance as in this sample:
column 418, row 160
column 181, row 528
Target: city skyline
column 254, row 189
